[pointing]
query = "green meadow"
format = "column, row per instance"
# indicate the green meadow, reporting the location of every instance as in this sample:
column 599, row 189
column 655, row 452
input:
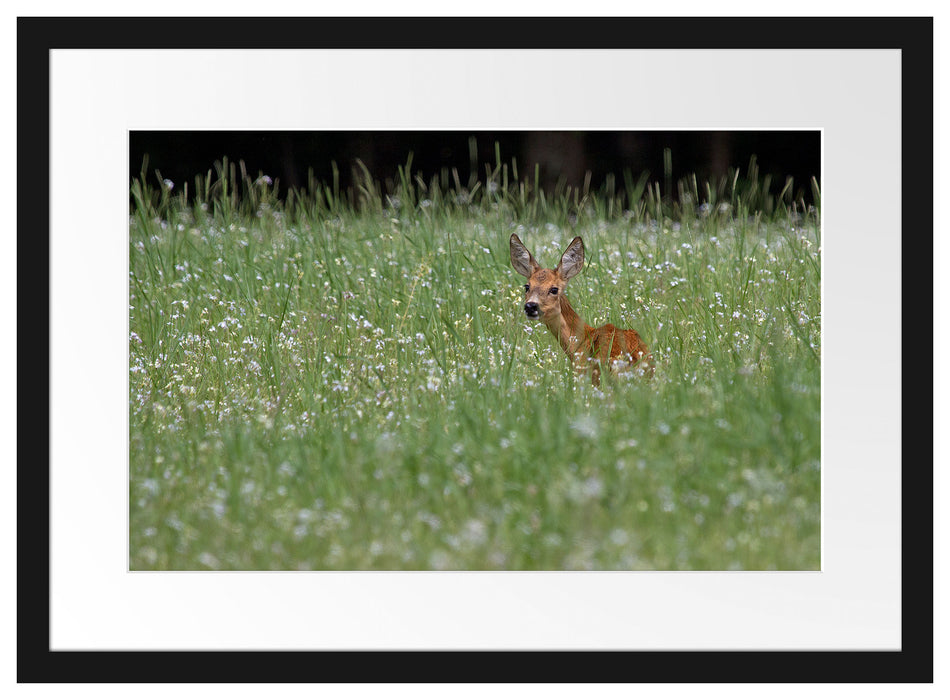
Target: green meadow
column 345, row 380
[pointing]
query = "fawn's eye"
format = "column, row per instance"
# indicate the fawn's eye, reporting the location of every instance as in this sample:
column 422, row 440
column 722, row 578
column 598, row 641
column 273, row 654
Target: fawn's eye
column 527, row 288
column 553, row 290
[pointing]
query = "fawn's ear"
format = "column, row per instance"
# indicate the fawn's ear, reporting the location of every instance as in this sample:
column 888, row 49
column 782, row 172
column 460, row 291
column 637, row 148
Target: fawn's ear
column 572, row 261
column 521, row 259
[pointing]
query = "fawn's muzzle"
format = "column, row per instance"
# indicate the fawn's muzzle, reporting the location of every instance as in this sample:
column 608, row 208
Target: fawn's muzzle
column 531, row 309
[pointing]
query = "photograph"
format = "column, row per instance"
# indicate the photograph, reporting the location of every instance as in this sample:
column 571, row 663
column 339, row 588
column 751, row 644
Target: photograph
column 521, row 350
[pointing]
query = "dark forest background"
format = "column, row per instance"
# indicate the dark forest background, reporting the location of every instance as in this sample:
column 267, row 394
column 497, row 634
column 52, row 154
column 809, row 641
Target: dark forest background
column 289, row 157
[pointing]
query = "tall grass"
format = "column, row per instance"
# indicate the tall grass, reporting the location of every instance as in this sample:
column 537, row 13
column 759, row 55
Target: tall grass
column 345, row 380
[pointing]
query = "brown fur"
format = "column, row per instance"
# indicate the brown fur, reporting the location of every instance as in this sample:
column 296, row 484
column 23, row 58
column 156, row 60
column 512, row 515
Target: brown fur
column 585, row 345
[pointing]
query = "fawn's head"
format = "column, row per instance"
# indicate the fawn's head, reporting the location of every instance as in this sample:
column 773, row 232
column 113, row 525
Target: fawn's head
column 545, row 286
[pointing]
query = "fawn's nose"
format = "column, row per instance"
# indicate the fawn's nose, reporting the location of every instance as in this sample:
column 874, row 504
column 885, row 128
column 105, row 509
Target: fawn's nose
column 531, row 308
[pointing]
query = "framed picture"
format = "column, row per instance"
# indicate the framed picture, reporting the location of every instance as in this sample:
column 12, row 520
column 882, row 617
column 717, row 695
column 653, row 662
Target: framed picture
column 825, row 601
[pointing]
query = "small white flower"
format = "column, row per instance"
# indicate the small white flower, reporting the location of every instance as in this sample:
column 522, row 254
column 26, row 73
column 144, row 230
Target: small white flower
column 593, row 487
column 585, row 426
column 209, row 560
column 619, row 537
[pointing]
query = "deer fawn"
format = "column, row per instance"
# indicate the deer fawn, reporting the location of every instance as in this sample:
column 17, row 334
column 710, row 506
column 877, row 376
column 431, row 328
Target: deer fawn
column 544, row 299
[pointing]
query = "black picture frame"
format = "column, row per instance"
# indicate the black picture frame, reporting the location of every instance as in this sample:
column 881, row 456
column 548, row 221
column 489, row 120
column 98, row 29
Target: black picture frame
column 37, row 663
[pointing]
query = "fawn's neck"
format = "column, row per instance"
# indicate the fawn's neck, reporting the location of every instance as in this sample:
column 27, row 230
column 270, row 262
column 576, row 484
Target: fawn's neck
column 569, row 328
